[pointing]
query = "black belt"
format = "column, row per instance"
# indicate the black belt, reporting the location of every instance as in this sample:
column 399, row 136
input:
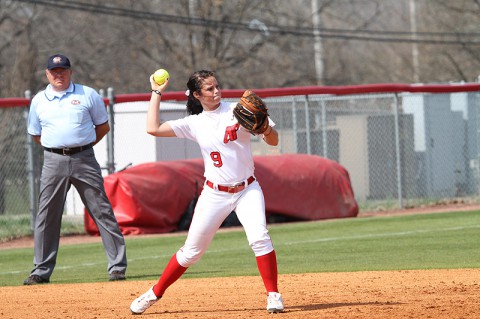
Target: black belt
column 69, row 150
column 232, row 189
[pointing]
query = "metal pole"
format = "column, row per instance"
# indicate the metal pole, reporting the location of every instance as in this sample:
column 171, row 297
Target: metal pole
column 324, row 129
column 294, row 124
column 397, row 151
column 111, row 134
column 30, row 145
column 307, row 126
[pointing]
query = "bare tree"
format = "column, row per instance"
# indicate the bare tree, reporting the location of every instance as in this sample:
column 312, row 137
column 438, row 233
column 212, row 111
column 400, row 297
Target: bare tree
column 459, row 21
column 17, row 49
column 250, row 43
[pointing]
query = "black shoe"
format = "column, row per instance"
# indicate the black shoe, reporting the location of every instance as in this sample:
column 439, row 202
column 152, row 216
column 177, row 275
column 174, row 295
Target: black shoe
column 117, row 275
column 35, row 280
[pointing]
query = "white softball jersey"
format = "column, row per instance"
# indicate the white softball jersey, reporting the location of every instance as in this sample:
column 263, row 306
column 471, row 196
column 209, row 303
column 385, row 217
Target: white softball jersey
column 225, row 145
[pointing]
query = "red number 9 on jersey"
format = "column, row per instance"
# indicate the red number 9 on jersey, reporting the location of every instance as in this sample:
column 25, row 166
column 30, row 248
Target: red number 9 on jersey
column 217, row 159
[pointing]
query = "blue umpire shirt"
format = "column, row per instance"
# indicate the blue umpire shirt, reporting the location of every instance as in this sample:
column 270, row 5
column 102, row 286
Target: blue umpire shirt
column 66, row 119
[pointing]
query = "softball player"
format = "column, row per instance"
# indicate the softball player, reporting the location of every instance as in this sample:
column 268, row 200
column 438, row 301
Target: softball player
column 230, row 184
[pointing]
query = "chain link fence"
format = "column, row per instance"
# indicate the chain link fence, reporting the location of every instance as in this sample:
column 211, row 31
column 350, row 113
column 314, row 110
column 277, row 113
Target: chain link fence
column 17, row 184
column 400, row 149
column 403, row 149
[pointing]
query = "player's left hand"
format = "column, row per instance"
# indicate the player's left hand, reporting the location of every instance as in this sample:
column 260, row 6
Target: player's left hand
column 252, row 113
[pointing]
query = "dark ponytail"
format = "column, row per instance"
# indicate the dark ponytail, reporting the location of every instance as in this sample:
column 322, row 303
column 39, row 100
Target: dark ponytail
column 194, row 84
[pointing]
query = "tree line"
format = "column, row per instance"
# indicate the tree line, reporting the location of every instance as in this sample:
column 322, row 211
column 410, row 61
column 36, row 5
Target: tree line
column 249, row 43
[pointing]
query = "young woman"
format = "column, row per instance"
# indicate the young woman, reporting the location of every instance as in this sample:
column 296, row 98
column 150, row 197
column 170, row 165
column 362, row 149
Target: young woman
column 230, row 183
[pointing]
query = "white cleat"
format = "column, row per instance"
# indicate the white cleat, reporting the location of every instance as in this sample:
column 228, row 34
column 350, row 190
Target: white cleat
column 143, row 302
column 274, row 302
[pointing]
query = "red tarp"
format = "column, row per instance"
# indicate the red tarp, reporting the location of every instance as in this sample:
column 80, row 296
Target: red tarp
column 152, row 197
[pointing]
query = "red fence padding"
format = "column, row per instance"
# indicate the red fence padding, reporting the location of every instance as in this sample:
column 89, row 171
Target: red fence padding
column 14, row 102
column 368, row 89
column 311, row 90
column 300, row 90
column 152, row 197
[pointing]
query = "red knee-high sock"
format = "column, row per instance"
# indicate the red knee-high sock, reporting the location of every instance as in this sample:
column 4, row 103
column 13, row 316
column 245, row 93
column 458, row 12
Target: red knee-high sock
column 267, row 266
column 170, row 274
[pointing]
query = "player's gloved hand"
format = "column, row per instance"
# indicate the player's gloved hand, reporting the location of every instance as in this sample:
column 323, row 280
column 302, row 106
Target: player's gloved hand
column 252, row 113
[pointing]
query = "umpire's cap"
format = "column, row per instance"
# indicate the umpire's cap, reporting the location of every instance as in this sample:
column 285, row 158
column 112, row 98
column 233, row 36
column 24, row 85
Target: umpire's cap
column 58, row 61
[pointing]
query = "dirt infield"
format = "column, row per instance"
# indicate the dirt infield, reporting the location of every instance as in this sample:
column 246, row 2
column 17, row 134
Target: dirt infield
column 398, row 294
column 375, row 294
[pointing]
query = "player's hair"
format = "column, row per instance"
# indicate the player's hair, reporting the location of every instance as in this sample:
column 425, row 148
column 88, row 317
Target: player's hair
column 194, row 84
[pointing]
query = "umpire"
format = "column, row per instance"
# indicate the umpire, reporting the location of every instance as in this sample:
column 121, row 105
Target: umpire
column 67, row 119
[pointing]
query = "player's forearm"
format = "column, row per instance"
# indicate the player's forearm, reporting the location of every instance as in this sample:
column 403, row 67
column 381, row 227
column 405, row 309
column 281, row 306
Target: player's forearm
column 271, row 136
column 153, row 114
column 154, row 125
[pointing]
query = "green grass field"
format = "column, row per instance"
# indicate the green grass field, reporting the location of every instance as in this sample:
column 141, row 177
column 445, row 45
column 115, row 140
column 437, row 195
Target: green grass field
column 423, row 241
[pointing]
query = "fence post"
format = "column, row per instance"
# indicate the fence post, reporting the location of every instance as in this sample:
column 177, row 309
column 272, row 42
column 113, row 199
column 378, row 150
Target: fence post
column 397, row 151
column 111, row 134
column 295, row 124
column 33, row 196
column 307, row 126
column 324, row 129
